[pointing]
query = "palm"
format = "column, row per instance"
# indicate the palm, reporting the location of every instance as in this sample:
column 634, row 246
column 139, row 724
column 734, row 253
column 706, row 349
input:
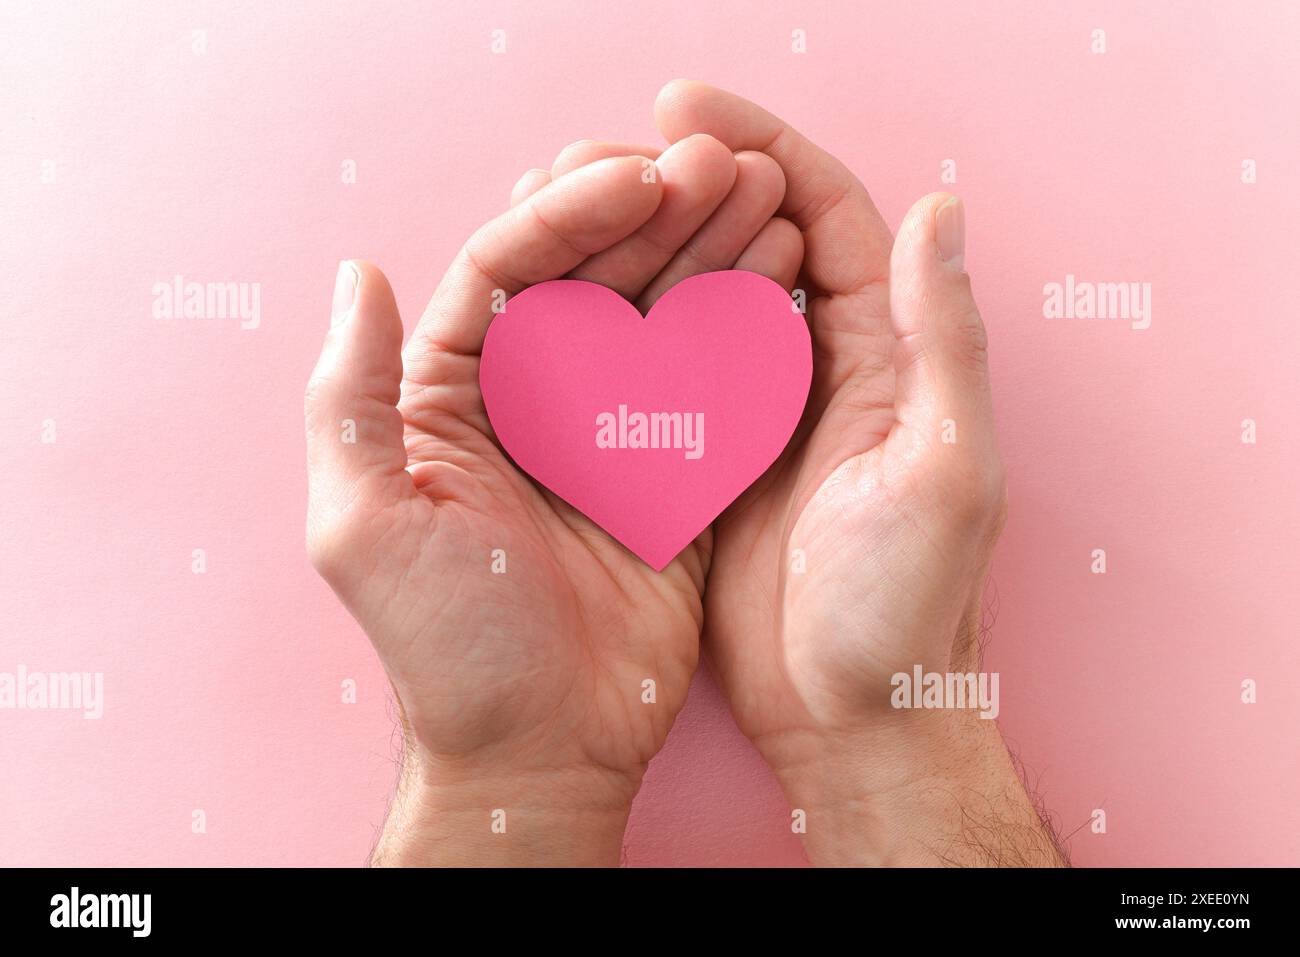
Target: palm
column 534, row 628
column 789, row 558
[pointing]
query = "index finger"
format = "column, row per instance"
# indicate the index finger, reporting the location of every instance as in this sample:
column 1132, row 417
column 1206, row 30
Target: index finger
column 847, row 243
column 542, row 238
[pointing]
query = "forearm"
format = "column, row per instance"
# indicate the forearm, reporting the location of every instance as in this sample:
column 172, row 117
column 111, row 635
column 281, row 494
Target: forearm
column 541, row 818
column 931, row 788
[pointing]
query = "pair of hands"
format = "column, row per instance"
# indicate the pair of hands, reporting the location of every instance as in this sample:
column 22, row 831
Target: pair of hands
column 861, row 553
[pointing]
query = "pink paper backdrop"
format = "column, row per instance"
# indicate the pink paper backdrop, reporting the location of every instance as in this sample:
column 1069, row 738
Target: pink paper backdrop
column 222, row 690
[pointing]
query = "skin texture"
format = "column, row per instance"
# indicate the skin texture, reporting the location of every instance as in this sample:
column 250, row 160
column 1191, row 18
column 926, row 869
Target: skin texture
column 518, row 691
column 860, row 554
column 864, row 550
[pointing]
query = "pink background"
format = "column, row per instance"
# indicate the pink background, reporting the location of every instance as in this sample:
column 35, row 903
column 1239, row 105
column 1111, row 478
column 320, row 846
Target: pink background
column 222, row 690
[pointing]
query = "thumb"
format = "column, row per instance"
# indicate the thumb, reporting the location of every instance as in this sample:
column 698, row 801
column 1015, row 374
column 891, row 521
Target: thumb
column 356, row 458
column 941, row 362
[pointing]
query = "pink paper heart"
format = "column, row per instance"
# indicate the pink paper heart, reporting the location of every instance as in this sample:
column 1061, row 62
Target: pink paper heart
column 568, row 365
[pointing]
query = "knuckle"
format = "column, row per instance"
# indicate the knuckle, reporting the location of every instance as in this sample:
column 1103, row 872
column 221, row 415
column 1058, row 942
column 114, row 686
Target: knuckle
column 970, row 340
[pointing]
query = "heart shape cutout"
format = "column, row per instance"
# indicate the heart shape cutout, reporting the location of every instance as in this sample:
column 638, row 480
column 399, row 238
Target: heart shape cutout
column 648, row 425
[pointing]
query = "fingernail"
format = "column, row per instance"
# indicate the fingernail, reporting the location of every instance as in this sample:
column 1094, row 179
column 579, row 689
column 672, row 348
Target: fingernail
column 345, row 293
column 950, row 233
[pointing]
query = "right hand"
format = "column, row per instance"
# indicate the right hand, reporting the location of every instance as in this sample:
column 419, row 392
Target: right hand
column 519, row 690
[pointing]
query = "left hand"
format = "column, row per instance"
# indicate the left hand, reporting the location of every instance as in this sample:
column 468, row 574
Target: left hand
column 519, row 691
column 863, row 551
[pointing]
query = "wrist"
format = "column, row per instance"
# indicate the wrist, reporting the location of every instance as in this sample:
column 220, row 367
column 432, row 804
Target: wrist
column 452, row 815
column 915, row 788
